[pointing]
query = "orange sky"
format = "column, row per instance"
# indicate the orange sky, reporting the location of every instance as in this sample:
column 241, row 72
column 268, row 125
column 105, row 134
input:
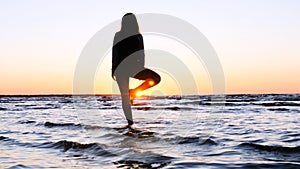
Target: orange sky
column 257, row 44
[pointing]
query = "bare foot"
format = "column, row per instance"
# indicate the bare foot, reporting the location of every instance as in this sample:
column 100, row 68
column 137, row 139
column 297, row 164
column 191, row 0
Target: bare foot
column 130, row 123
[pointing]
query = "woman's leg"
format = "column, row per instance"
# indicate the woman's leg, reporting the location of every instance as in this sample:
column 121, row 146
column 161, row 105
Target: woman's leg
column 123, row 83
column 151, row 79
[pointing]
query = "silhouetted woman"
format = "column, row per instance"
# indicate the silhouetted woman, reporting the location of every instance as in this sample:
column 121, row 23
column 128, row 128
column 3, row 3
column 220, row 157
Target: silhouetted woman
column 128, row 60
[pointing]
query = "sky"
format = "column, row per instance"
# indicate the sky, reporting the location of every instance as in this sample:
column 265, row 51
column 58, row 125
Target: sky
column 257, row 42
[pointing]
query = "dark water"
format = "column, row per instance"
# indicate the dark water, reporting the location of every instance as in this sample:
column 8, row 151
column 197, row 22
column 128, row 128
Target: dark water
column 246, row 131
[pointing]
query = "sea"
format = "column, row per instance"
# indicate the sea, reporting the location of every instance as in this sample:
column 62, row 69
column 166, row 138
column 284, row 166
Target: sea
column 192, row 131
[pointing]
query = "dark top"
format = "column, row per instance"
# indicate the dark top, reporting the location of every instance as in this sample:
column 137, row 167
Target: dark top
column 124, row 48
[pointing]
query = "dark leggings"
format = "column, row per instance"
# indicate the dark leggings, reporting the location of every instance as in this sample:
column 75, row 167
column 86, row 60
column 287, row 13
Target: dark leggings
column 148, row 74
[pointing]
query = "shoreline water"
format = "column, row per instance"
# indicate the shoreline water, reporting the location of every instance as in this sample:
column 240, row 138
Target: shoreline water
column 190, row 132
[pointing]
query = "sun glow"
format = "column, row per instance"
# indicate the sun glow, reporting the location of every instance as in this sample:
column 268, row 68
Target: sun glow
column 151, row 82
column 139, row 93
column 256, row 56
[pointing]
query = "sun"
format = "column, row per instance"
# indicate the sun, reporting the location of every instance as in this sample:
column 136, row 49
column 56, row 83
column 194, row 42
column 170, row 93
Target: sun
column 151, row 82
column 139, row 93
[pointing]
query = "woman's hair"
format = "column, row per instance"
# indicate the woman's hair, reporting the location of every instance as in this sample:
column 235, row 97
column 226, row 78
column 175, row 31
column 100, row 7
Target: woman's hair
column 130, row 24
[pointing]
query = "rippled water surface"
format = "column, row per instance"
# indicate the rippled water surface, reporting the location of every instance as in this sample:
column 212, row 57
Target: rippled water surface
column 169, row 132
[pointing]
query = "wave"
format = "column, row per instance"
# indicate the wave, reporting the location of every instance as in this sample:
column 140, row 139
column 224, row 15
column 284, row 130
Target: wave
column 108, row 107
column 105, row 98
column 43, row 108
column 74, row 125
column 26, row 121
column 292, row 140
column 280, row 149
column 87, row 127
column 25, row 105
column 2, row 108
column 143, row 108
column 138, row 164
column 279, row 109
column 287, row 97
column 64, row 145
column 250, row 164
column 145, row 159
column 3, row 138
column 278, row 104
column 39, row 106
column 195, row 139
column 51, row 124
column 157, row 108
column 18, row 166
column 65, row 100
column 4, row 101
column 174, row 108
column 198, row 140
column 212, row 103
column 294, row 135
column 69, row 125
column 91, row 148
column 242, row 100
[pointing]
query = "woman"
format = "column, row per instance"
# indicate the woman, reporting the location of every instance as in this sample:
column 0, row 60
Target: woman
column 128, row 60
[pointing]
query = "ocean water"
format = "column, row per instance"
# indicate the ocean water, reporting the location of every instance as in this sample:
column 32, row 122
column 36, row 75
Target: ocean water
column 237, row 131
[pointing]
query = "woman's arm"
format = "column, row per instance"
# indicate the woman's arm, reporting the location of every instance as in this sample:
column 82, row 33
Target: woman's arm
column 114, row 58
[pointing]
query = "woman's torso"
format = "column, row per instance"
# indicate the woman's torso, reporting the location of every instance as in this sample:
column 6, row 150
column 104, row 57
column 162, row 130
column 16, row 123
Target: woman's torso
column 128, row 51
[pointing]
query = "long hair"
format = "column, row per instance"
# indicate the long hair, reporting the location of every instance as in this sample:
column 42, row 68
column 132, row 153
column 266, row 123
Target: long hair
column 129, row 24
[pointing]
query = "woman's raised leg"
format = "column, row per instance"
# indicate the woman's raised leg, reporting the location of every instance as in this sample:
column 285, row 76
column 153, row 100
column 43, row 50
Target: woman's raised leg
column 151, row 79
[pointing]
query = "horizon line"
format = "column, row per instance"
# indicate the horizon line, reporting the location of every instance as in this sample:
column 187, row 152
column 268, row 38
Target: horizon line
column 49, row 95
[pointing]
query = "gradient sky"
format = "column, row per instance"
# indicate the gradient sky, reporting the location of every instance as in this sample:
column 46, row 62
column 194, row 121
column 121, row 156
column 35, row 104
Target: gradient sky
column 257, row 41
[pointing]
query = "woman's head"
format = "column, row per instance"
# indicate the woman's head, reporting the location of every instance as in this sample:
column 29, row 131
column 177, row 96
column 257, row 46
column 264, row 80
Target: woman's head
column 129, row 24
